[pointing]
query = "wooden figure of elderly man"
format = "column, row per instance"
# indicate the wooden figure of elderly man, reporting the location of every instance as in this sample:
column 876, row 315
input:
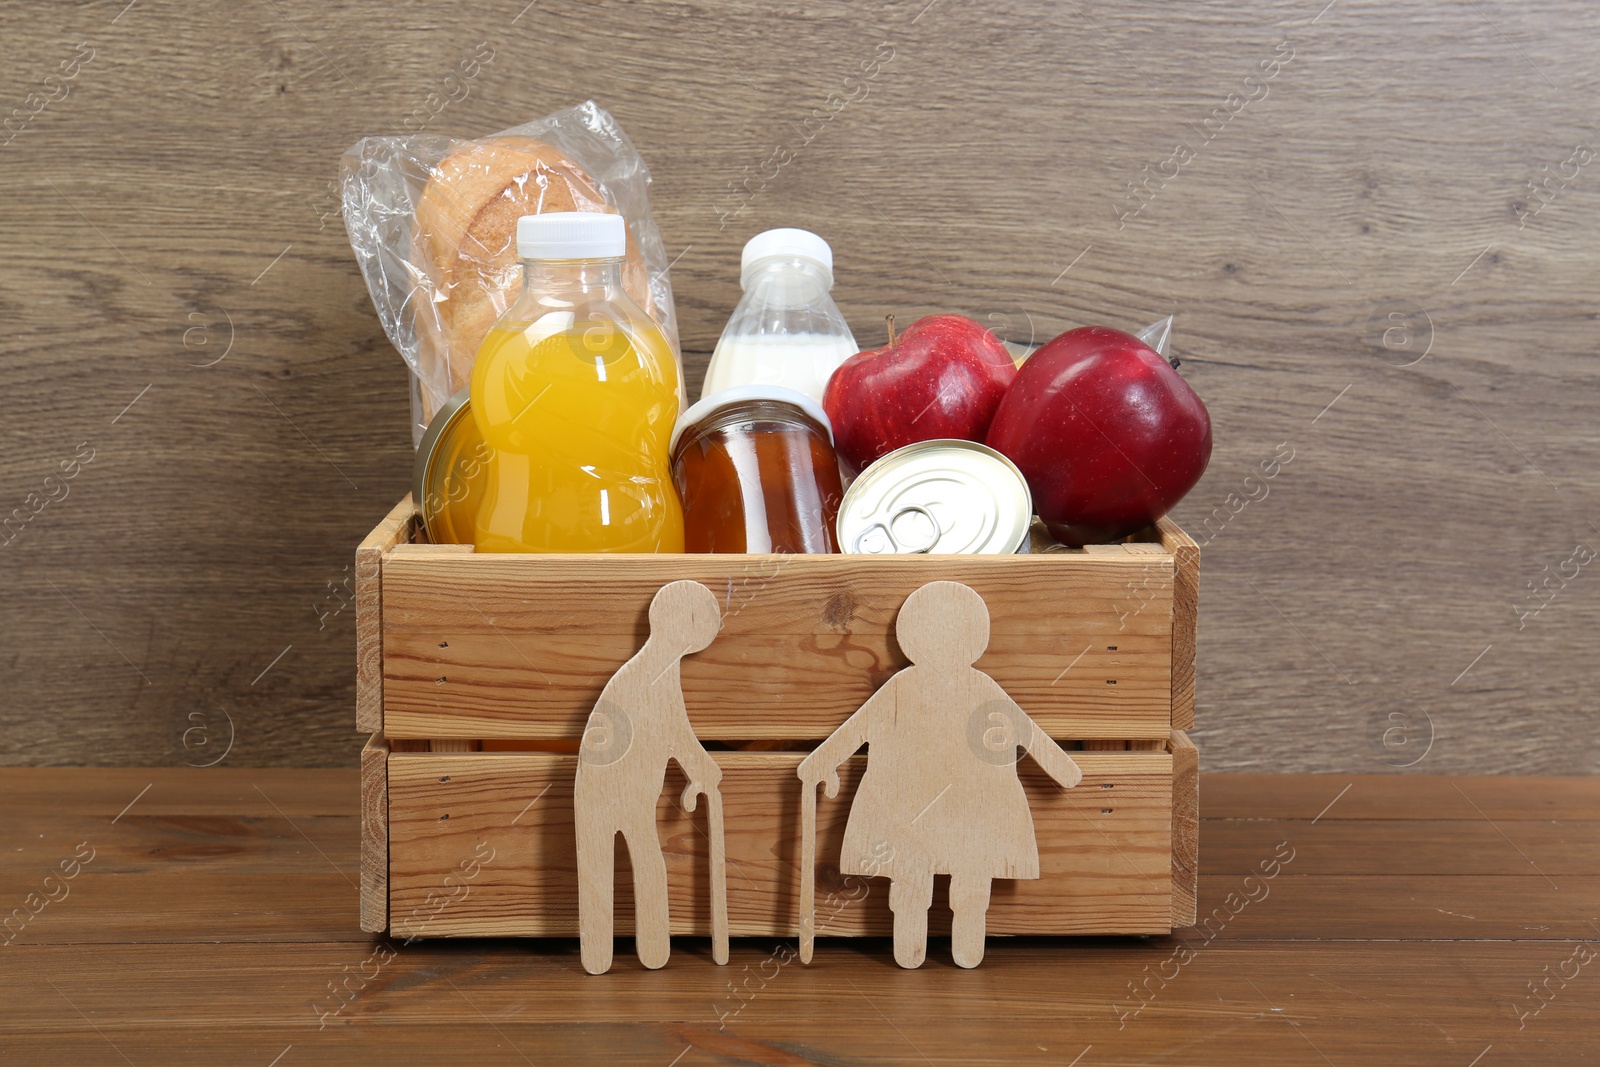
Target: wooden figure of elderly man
column 637, row 725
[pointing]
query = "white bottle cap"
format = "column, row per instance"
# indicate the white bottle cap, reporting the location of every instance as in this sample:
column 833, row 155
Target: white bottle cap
column 786, row 242
column 739, row 394
column 572, row 235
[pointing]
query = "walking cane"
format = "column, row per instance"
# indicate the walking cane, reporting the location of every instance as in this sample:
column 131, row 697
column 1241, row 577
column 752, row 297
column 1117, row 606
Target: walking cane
column 808, row 869
column 719, row 877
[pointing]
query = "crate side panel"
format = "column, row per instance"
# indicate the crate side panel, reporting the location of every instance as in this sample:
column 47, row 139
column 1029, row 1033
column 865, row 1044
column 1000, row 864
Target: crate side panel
column 395, row 528
column 1185, row 830
column 375, row 835
column 520, row 647
column 1185, row 619
column 482, row 845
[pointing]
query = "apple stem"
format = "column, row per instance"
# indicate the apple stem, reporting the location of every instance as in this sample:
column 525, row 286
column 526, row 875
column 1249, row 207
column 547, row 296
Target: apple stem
column 1175, row 361
column 890, row 320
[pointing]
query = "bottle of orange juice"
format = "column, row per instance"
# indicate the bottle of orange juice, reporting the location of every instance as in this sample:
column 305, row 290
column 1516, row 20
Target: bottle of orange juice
column 576, row 391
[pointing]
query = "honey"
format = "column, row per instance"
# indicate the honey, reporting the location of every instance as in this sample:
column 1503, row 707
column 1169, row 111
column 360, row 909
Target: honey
column 756, row 471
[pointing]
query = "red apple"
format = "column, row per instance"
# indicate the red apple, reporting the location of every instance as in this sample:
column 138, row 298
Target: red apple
column 1107, row 433
column 943, row 377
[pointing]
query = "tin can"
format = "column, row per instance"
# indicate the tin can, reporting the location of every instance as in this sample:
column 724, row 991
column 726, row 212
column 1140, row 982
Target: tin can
column 943, row 496
column 451, row 471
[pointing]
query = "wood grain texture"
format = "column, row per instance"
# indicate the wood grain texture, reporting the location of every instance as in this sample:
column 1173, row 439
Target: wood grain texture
column 375, row 835
column 637, row 727
column 1104, row 850
column 397, row 527
column 178, row 199
column 1185, row 619
column 1368, row 1004
column 1185, row 829
column 1364, row 796
column 513, row 646
column 1345, row 847
column 940, row 792
column 207, row 930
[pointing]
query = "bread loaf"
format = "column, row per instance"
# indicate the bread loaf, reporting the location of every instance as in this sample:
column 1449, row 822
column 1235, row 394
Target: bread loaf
column 465, row 235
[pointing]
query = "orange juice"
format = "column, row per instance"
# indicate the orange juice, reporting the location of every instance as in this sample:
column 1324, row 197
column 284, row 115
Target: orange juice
column 579, row 421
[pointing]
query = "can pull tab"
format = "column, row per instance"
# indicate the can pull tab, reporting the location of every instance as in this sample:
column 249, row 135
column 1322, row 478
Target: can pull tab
column 888, row 531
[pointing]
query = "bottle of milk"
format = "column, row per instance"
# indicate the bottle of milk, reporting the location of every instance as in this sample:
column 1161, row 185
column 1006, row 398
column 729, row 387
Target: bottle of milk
column 786, row 331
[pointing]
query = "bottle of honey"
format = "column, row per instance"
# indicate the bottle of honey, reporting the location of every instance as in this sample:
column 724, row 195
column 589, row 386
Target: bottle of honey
column 575, row 390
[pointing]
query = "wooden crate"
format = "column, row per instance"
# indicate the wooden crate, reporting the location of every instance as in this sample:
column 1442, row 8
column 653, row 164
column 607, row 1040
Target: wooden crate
column 477, row 672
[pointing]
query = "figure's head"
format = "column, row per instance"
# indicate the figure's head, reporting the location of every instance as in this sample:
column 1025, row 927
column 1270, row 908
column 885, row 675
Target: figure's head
column 685, row 615
column 943, row 623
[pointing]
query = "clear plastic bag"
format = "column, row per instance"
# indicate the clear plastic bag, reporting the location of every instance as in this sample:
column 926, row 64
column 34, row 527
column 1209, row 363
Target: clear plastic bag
column 432, row 221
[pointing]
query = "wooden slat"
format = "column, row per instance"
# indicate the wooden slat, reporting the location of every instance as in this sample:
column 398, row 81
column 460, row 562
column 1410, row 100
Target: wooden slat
column 453, row 745
column 199, row 844
column 114, row 795
column 171, row 905
column 520, row 646
column 1388, row 796
column 427, row 548
column 395, row 528
column 1185, row 828
column 1420, row 906
column 375, row 835
column 1104, row 850
column 1557, row 848
column 1185, row 618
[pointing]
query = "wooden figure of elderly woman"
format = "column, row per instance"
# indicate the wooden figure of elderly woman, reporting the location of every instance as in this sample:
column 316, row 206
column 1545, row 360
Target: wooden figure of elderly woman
column 940, row 794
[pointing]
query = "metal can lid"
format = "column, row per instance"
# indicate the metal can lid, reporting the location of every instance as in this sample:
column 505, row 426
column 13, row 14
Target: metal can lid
column 944, row 496
column 434, row 476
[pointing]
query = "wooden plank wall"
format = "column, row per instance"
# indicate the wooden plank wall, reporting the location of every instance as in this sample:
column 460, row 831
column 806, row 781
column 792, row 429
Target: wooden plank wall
column 187, row 335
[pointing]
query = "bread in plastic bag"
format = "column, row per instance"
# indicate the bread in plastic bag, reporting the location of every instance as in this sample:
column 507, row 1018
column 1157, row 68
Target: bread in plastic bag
column 433, row 223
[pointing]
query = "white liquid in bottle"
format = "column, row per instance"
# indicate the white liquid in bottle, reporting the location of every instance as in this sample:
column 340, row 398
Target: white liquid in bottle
column 802, row 362
column 787, row 330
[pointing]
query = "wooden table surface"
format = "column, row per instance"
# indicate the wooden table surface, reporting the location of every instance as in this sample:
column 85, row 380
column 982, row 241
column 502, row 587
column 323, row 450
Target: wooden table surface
column 210, row 914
